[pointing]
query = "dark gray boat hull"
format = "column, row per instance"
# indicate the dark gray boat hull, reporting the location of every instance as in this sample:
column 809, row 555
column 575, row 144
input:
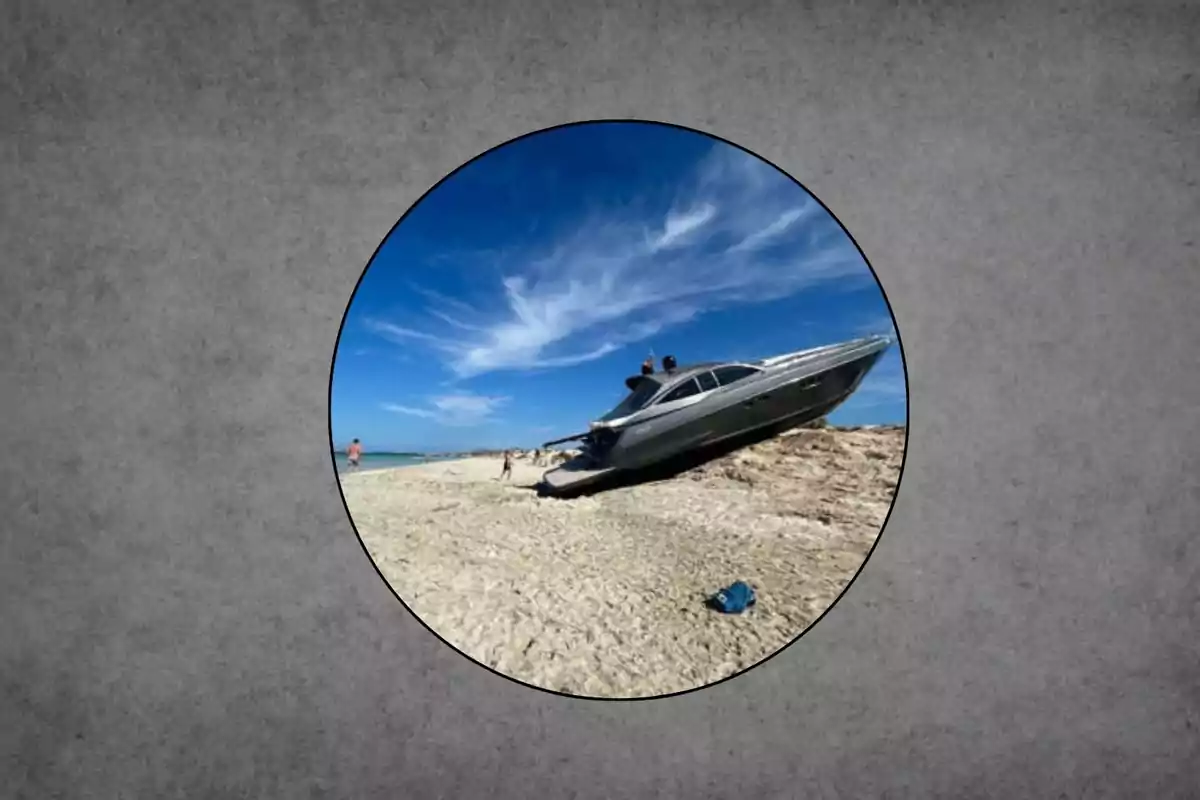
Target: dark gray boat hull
column 773, row 402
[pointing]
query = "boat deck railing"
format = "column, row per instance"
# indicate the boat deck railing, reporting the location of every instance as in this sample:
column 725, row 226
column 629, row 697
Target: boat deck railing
column 843, row 348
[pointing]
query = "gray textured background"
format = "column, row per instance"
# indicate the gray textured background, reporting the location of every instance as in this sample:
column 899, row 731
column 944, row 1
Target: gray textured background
column 190, row 193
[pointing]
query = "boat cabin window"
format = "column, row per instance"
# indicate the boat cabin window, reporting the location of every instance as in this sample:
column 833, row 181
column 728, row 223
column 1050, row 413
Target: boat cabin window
column 733, row 373
column 685, row 389
column 635, row 401
column 707, row 381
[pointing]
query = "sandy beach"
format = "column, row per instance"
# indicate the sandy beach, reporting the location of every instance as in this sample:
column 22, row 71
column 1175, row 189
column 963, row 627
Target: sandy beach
column 603, row 596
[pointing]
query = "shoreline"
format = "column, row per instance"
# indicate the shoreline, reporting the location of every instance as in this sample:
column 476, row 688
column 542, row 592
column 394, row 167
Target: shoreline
column 524, row 453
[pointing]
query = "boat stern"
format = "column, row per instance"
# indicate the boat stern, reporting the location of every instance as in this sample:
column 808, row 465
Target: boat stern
column 578, row 473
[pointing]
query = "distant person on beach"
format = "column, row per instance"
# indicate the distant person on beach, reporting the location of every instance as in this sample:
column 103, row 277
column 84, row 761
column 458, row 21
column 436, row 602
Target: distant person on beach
column 506, row 472
column 648, row 366
column 537, row 457
column 354, row 453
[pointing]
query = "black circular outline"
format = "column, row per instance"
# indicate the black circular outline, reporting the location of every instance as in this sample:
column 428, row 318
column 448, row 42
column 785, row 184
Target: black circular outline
column 350, row 516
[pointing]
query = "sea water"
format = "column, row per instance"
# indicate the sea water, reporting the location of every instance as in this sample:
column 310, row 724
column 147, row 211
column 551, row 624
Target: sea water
column 373, row 461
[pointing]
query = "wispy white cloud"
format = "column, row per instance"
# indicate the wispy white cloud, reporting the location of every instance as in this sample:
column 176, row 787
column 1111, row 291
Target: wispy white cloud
column 739, row 232
column 460, row 410
column 677, row 226
column 399, row 333
column 410, row 410
column 784, row 221
column 392, row 355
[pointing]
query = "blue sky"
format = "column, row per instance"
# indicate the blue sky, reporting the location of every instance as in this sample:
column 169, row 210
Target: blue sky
column 510, row 304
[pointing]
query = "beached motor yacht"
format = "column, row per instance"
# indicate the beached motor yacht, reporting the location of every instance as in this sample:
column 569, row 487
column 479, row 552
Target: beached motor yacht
column 682, row 409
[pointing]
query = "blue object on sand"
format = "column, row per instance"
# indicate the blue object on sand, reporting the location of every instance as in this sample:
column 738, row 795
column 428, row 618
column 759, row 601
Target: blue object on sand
column 733, row 599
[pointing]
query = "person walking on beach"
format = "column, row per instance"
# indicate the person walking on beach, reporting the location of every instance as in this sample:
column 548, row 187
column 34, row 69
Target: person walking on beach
column 354, row 453
column 506, row 472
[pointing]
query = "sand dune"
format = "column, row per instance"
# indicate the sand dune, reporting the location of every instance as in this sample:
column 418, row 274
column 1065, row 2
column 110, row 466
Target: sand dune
column 603, row 595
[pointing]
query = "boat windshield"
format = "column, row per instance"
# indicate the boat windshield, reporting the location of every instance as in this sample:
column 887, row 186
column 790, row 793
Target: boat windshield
column 636, row 400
